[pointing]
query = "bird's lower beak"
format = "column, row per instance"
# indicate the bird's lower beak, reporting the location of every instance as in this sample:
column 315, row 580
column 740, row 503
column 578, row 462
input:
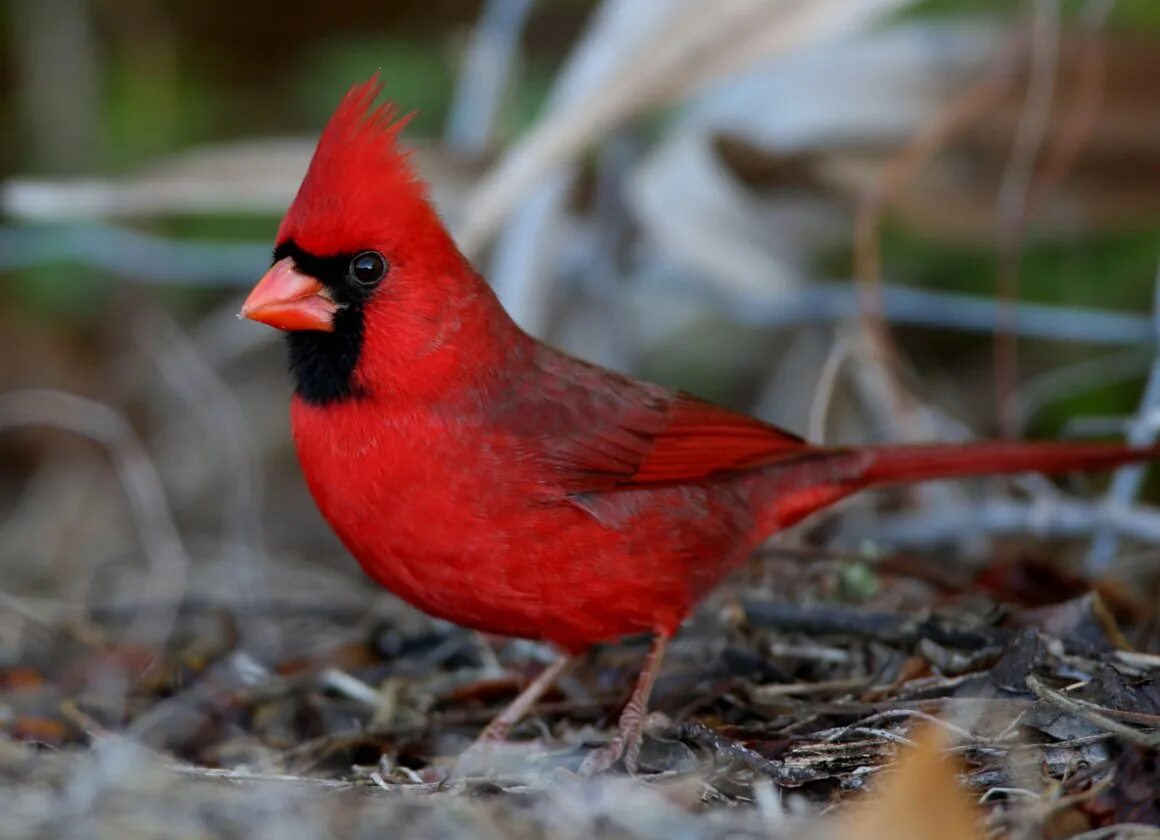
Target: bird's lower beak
column 290, row 300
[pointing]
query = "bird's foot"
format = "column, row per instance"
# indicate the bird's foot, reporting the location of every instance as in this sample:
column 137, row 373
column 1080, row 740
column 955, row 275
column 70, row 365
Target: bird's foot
column 629, row 730
column 625, row 743
column 603, row 759
column 483, row 752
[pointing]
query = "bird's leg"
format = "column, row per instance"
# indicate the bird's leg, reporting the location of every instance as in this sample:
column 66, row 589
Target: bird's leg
column 478, row 756
column 627, row 740
column 501, row 725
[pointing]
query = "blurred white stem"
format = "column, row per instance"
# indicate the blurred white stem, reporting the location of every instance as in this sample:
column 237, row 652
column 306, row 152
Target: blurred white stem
column 674, row 47
column 483, row 77
column 1127, row 481
column 521, row 269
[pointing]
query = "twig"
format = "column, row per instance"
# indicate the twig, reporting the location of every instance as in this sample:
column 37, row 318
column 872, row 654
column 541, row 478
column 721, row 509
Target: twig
column 889, row 714
column 1013, row 200
column 1127, row 481
column 810, row 650
column 1052, row 519
column 1121, row 831
column 234, row 775
column 932, row 136
column 732, row 750
column 416, row 786
column 1007, row 791
column 883, row 626
column 1061, row 156
column 828, row 302
column 840, row 686
column 878, row 734
column 1087, row 374
column 1093, row 714
column 825, row 389
column 1150, row 661
column 351, row 687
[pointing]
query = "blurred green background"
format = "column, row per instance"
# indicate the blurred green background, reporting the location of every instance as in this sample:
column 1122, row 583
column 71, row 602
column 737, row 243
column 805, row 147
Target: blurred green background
column 106, row 87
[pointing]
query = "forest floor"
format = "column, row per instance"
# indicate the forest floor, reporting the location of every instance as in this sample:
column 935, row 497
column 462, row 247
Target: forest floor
column 328, row 709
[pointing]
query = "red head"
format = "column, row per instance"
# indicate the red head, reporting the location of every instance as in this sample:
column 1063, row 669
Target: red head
column 360, row 186
column 366, row 280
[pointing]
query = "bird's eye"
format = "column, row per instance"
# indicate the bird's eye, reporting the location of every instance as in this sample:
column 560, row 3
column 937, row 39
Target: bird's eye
column 368, row 268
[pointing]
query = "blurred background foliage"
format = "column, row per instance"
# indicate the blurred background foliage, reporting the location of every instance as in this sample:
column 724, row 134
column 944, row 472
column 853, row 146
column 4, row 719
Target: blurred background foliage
column 165, row 76
column 159, row 77
column 106, row 89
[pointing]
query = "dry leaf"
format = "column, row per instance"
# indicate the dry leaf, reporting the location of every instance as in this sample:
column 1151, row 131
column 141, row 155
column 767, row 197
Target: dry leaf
column 919, row 798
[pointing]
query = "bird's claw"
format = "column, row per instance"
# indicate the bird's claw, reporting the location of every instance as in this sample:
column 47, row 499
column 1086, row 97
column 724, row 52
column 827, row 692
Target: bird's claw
column 601, row 760
column 625, row 744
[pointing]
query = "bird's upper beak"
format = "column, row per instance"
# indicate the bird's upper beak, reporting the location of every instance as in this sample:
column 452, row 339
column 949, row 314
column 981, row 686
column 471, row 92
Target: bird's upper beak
column 290, row 300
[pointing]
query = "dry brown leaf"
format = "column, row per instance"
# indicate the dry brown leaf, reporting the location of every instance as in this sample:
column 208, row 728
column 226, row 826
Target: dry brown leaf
column 918, row 799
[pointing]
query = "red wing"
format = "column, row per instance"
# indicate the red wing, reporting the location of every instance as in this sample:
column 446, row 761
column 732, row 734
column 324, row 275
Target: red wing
column 674, row 441
column 702, row 439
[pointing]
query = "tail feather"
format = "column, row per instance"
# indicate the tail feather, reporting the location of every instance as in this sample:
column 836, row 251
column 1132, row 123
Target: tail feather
column 921, row 462
column 827, row 475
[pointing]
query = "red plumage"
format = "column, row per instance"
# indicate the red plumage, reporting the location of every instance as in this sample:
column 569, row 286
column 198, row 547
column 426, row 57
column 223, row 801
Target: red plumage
column 495, row 482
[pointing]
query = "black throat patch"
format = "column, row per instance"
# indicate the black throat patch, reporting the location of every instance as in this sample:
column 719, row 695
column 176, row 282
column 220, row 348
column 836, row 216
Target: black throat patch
column 322, row 364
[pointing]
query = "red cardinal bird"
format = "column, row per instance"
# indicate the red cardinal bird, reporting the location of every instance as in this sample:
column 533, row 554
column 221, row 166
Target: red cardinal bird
column 498, row 483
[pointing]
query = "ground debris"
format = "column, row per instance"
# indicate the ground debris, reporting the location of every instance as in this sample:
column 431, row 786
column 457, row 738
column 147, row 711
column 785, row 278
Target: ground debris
column 767, row 715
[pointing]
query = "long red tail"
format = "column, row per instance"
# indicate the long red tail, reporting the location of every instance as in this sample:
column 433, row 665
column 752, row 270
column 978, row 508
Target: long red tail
column 818, row 480
column 919, row 462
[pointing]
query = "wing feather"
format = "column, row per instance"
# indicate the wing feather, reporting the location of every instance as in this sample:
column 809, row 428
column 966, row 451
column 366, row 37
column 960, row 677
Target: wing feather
column 597, row 431
column 681, row 440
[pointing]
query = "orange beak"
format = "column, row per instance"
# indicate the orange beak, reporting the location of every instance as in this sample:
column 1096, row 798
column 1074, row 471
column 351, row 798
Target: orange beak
column 289, row 300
